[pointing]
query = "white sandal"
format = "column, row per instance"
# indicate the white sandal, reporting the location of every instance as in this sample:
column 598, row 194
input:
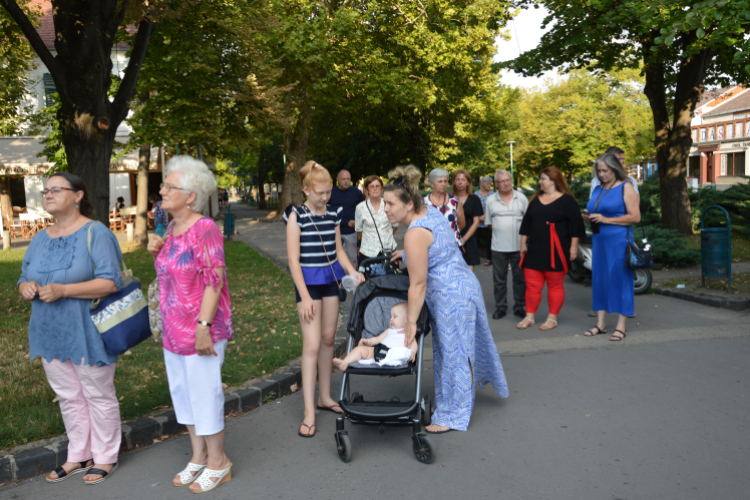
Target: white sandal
column 205, row 482
column 521, row 325
column 546, row 327
column 186, row 475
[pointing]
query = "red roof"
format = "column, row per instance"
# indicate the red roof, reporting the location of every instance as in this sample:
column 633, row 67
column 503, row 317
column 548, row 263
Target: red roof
column 46, row 29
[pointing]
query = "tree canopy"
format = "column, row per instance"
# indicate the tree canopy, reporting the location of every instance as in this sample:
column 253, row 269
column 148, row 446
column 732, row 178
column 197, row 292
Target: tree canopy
column 680, row 47
column 569, row 123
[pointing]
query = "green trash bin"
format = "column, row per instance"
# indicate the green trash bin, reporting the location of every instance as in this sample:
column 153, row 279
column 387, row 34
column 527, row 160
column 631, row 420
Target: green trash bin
column 716, row 249
column 228, row 223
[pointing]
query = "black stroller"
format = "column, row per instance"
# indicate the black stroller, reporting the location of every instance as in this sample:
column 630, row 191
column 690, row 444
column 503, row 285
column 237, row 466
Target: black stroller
column 370, row 308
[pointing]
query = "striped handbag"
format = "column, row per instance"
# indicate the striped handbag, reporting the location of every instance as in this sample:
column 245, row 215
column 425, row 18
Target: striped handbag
column 122, row 316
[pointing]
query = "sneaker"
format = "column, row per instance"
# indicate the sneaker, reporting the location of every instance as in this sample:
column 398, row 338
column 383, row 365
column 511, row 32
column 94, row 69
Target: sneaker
column 592, row 313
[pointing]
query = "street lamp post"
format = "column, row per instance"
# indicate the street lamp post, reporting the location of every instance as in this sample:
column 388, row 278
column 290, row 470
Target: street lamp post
column 512, row 181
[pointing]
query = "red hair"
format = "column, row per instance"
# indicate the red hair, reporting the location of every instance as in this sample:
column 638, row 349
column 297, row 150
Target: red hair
column 555, row 176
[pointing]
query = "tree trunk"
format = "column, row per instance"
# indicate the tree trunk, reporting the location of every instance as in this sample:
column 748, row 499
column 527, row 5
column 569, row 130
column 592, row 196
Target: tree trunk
column 262, row 174
column 141, row 212
column 88, row 158
column 673, row 141
column 295, row 148
column 6, row 204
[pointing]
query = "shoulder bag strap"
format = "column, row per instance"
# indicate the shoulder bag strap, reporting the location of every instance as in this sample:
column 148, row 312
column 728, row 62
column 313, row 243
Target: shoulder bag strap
column 310, row 214
column 376, row 225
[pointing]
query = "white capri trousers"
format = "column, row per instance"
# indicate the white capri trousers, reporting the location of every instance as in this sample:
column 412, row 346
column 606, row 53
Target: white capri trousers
column 196, row 390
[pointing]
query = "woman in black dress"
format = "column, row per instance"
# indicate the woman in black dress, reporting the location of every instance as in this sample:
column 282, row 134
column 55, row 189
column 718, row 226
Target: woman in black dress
column 549, row 231
column 472, row 207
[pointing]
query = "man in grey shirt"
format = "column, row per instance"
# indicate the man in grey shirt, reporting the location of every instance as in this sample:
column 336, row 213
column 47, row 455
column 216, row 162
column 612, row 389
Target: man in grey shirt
column 505, row 210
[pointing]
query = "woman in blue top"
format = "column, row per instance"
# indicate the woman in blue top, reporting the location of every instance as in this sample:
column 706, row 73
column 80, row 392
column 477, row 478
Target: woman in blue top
column 614, row 206
column 463, row 349
column 316, row 256
column 60, row 277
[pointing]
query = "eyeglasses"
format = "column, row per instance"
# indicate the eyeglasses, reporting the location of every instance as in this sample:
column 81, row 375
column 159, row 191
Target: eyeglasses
column 504, row 181
column 170, row 187
column 55, row 190
column 398, row 181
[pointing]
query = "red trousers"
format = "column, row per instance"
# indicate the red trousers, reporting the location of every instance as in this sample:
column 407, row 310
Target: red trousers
column 555, row 290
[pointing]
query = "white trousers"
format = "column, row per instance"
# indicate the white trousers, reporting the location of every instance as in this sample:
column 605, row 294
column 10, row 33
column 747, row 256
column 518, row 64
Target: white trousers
column 196, row 390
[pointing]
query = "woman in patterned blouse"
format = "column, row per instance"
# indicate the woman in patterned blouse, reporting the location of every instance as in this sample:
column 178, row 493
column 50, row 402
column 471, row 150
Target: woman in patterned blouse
column 196, row 318
column 446, row 203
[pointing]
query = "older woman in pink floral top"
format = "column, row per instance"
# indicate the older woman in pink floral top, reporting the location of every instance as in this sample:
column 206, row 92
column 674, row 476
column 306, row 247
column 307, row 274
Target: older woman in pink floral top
column 196, row 318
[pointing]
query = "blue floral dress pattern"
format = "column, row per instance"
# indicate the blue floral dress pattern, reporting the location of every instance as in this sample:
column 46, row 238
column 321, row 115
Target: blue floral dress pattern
column 461, row 332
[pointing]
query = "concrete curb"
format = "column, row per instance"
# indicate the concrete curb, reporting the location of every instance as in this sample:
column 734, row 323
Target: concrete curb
column 708, row 300
column 41, row 457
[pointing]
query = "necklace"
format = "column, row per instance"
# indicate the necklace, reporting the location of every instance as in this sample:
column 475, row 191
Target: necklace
column 442, row 207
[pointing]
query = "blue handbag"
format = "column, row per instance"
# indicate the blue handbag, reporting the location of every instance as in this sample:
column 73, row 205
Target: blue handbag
column 122, row 316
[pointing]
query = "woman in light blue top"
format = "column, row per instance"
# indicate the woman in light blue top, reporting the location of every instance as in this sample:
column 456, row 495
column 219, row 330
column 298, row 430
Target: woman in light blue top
column 60, row 277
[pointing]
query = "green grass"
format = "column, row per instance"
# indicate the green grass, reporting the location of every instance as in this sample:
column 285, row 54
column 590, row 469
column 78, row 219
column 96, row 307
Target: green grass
column 266, row 336
column 740, row 284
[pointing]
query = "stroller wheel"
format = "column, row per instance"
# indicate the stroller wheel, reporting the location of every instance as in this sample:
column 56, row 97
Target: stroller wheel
column 426, row 411
column 423, row 449
column 345, row 448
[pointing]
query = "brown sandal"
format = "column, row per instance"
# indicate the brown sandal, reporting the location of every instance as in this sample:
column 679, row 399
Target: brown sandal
column 310, row 429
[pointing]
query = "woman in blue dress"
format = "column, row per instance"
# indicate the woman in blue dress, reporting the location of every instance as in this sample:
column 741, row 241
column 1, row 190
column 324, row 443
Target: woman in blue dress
column 614, row 206
column 463, row 349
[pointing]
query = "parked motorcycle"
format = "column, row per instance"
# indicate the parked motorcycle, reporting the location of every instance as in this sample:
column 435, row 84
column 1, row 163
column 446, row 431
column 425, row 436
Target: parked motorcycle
column 580, row 269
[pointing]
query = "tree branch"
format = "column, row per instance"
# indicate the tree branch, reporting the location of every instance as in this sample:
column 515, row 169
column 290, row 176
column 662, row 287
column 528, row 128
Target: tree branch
column 127, row 87
column 117, row 20
column 33, row 37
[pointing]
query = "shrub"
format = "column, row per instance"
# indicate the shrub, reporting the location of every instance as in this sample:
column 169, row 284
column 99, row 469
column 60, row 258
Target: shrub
column 670, row 250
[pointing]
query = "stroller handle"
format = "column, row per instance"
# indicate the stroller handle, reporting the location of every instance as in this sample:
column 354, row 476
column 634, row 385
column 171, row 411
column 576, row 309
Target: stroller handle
column 366, row 265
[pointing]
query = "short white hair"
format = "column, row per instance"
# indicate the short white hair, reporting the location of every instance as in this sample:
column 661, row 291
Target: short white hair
column 196, row 177
column 437, row 173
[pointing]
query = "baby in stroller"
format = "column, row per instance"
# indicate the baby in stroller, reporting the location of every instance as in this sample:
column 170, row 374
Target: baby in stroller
column 377, row 348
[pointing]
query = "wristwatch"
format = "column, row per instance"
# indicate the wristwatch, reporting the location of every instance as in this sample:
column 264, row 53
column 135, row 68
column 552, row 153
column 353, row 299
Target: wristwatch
column 204, row 323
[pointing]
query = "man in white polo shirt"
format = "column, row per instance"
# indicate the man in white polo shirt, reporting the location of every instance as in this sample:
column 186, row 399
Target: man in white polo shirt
column 505, row 210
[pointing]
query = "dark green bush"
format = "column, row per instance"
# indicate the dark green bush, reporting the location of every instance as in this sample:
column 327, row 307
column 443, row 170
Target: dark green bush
column 670, row 250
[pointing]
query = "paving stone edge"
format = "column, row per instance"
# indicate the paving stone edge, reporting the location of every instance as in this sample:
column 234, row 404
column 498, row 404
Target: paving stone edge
column 709, row 300
column 41, row 457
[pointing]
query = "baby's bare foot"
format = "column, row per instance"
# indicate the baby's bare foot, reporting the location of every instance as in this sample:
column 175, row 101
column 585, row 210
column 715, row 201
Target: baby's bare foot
column 340, row 364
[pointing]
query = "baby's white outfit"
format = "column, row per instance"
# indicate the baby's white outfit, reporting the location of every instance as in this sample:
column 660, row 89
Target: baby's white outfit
column 398, row 354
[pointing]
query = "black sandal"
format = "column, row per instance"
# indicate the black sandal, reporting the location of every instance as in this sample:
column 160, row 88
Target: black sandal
column 590, row 332
column 101, row 472
column 618, row 339
column 62, row 475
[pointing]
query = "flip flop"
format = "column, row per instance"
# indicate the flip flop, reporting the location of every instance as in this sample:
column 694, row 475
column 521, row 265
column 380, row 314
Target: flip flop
column 331, row 409
column 311, row 427
column 439, row 432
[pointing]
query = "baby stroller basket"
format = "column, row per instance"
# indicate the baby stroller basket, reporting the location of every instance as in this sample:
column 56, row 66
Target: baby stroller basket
column 373, row 299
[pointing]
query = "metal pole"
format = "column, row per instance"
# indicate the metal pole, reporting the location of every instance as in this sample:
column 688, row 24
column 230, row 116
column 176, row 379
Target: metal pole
column 512, row 183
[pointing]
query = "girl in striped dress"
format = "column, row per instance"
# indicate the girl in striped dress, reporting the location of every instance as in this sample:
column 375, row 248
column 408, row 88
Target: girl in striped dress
column 317, row 262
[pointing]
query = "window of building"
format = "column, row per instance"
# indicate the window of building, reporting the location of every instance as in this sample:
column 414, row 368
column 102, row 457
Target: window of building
column 735, row 164
column 738, row 128
column 730, row 130
column 720, row 130
column 49, row 89
column 695, row 135
column 694, row 166
column 711, row 133
column 703, row 135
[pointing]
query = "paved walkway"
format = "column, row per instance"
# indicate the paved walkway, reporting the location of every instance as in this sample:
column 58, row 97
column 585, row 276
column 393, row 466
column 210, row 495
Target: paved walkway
column 662, row 414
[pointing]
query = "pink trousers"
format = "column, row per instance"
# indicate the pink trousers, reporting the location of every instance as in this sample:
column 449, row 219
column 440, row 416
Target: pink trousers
column 89, row 407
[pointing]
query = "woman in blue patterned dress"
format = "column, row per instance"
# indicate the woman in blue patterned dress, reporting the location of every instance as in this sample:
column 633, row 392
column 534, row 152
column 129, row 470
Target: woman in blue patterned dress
column 463, row 349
